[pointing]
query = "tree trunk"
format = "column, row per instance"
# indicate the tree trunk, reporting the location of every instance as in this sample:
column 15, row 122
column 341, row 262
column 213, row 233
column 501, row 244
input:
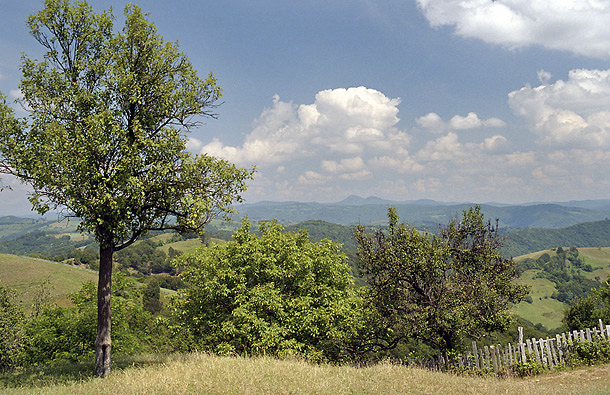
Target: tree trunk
column 102, row 341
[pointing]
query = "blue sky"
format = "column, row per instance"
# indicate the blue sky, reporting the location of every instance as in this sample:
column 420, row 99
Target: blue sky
column 472, row 100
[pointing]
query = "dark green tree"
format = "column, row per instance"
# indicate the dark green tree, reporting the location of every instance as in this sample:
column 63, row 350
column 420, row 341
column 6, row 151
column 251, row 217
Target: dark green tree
column 277, row 294
column 586, row 311
column 104, row 138
column 435, row 288
column 151, row 297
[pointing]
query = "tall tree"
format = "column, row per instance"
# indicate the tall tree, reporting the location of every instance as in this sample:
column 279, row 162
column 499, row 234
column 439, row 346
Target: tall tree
column 437, row 288
column 103, row 138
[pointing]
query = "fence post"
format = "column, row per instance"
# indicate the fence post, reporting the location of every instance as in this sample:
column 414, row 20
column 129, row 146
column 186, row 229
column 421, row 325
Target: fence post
column 549, row 354
column 534, row 342
column 487, row 358
column 543, row 355
column 476, row 354
column 589, row 339
column 521, row 345
column 554, row 352
column 560, row 349
column 494, row 358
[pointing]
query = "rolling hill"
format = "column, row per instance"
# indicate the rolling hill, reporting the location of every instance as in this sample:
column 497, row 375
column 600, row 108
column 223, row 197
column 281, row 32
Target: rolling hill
column 27, row 274
column 544, row 307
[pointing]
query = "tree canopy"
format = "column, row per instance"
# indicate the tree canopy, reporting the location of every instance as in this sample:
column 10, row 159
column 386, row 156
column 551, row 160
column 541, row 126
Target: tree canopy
column 277, row 294
column 103, row 136
column 435, row 288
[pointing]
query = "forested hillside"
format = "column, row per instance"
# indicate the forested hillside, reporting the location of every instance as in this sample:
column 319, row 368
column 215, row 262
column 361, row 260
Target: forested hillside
column 589, row 234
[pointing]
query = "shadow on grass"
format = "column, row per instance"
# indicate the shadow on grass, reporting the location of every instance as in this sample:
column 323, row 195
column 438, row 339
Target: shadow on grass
column 61, row 372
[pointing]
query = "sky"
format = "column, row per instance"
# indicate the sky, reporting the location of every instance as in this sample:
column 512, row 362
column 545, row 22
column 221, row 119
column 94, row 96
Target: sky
column 471, row 100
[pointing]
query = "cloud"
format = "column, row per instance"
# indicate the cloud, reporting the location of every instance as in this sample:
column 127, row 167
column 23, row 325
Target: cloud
column 572, row 113
column 15, row 94
column 577, row 26
column 348, row 141
column 434, row 123
column 339, row 122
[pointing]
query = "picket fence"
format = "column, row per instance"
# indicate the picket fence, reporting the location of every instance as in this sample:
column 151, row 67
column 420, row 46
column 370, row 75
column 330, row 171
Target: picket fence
column 549, row 352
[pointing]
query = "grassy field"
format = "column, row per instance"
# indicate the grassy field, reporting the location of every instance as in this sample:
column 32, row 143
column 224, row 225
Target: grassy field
column 25, row 274
column 206, row 374
column 545, row 310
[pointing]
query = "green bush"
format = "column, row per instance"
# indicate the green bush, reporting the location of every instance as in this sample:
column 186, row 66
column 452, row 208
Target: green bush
column 592, row 353
column 68, row 334
column 524, row 369
column 277, row 294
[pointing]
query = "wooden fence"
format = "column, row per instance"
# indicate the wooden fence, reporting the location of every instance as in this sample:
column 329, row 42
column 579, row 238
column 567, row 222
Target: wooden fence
column 549, row 352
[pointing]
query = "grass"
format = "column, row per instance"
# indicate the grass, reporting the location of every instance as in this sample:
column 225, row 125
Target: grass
column 543, row 309
column 25, row 274
column 547, row 311
column 207, row 374
column 182, row 246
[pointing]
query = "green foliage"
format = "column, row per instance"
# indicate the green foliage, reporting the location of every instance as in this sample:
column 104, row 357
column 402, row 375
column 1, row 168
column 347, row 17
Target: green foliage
column 11, row 335
column 144, row 257
column 591, row 353
column 437, row 289
column 104, row 135
column 526, row 369
column 586, row 311
column 68, row 334
column 151, row 297
column 277, row 294
column 588, row 234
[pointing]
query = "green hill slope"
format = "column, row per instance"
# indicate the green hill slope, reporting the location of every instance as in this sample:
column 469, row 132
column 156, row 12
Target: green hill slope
column 546, row 307
column 26, row 274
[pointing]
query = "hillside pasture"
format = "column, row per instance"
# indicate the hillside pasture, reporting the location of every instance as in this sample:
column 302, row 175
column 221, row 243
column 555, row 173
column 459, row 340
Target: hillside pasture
column 26, row 274
column 543, row 309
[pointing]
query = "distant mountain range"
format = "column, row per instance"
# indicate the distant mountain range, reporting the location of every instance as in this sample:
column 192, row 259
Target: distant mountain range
column 373, row 211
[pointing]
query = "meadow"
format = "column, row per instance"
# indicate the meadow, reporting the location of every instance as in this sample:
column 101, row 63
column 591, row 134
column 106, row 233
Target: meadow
column 546, row 310
column 208, row 374
column 25, row 275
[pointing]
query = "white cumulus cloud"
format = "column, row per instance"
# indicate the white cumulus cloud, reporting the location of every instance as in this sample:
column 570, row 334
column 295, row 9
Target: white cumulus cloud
column 571, row 113
column 577, row 26
column 434, row 123
column 340, row 122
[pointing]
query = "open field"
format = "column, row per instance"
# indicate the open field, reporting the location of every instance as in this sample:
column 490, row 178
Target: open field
column 206, row 374
column 547, row 311
column 25, row 274
column 543, row 309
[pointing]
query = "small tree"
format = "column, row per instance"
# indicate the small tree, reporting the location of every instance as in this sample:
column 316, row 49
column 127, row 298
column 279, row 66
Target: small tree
column 276, row 294
column 438, row 288
column 585, row 312
column 151, row 297
column 103, row 138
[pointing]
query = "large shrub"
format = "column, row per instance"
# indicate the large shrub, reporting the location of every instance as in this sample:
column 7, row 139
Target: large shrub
column 277, row 294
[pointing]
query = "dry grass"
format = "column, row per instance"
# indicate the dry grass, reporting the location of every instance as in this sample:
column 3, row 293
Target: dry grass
column 205, row 374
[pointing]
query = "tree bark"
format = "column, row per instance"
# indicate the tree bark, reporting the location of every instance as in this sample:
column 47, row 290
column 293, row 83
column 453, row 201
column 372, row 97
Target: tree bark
column 104, row 321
